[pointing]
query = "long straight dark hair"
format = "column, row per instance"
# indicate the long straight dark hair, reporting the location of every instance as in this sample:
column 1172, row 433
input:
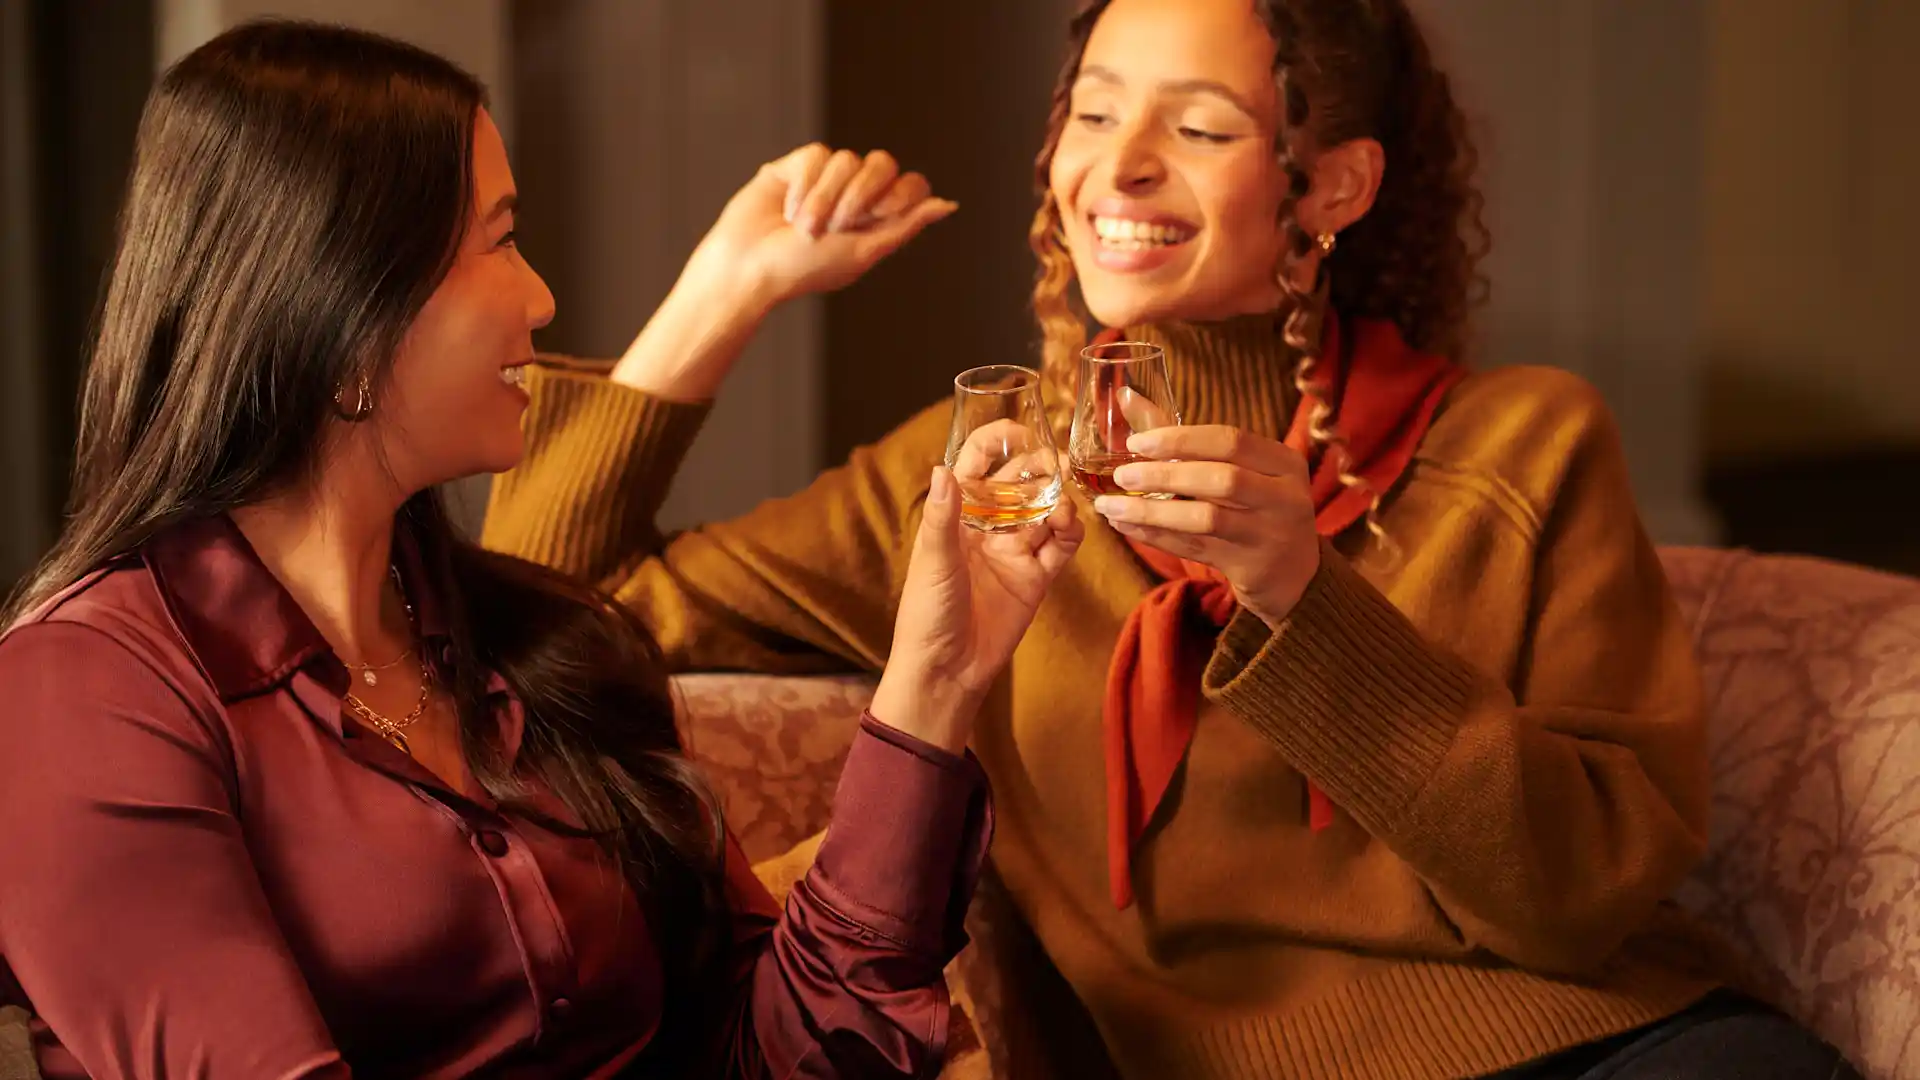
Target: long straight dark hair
column 298, row 192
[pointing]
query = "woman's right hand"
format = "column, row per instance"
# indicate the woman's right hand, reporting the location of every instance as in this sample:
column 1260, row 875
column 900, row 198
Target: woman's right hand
column 813, row 221
column 968, row 599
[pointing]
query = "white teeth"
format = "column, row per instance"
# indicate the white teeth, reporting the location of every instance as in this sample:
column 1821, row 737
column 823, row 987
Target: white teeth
column 1126, row 234
column 513, row 376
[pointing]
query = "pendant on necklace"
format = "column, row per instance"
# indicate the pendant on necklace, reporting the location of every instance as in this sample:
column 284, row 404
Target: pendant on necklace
column 369, row 677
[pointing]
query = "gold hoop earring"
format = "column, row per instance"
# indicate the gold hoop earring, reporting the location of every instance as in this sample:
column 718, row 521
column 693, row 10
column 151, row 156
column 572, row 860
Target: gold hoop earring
column 1326, row 242
column 362, row 402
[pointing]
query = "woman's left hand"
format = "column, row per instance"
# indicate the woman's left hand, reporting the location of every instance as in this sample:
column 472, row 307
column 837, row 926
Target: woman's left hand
column 1245, row 509
column 967, row 601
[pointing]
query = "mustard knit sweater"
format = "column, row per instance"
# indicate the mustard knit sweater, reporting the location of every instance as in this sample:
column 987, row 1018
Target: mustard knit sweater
column 1503, row 704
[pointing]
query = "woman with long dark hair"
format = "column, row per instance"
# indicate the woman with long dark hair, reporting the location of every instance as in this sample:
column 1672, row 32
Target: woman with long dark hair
column 298, row 782
column 1378, row 753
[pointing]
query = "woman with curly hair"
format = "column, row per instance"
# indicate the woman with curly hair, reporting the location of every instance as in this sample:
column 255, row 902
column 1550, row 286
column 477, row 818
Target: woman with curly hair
column 1379, row 751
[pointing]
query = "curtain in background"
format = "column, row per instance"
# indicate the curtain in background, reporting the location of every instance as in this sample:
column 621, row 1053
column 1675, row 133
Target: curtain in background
column 73, row 75
column 24, row 500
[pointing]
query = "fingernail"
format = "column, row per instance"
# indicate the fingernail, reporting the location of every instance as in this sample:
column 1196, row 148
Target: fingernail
column 1142, row 442
column 1126, row 475
column 1111, row 507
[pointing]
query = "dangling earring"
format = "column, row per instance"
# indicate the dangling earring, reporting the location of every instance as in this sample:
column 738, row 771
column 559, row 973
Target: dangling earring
column 362, row 403
column 1325, row 242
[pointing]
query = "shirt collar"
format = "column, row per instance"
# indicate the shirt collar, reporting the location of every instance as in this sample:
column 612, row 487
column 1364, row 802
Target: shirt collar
column 247, row 632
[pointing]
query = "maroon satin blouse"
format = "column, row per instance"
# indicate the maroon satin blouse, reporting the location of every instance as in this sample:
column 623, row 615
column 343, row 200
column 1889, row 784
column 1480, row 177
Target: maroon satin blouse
column 209, row 869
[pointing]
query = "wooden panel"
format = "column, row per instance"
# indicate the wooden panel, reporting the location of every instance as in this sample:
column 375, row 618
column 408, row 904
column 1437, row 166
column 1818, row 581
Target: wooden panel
column 639, row 119
column 1811, row 229
column 959, row 92
column 1594, row 196
column 25, row 502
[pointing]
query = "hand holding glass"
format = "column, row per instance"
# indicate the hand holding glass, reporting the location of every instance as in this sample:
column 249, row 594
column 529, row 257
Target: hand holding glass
column 1001, row 450
column 1123, row 388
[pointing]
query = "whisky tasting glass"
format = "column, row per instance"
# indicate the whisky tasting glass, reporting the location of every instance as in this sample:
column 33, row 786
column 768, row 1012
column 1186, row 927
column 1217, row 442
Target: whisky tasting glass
column 1001, row 449
column 1123, row 387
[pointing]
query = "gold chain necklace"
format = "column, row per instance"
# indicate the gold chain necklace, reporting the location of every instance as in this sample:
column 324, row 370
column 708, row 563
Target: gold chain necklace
column 369, row 672
column 394, row 731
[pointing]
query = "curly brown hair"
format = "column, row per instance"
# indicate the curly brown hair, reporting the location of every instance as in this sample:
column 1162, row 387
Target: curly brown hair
column 1345, row 69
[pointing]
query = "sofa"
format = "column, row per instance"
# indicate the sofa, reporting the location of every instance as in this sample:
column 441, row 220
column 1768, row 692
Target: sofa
column 1813, row 678
column 1812, row 672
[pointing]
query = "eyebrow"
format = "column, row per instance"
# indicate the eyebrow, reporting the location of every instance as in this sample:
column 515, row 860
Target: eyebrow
column 508, row 204
column 1182, row 86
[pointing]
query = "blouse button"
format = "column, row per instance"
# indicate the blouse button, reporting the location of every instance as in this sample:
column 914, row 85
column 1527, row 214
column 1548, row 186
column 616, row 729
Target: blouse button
column 492, row 843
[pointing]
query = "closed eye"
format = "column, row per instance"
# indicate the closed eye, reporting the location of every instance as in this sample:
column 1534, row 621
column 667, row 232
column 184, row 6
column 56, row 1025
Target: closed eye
column 1093, row 120
column 1212, row 138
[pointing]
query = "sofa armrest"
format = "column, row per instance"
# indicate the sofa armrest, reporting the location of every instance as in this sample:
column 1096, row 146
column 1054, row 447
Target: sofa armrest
column 16, row 1045
column 772, row 746
column 1813, row 676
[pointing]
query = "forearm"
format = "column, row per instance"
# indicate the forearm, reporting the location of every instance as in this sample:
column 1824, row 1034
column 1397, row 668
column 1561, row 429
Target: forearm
column 698, row 332
column 1545, row 829
column 851, row 981
column 934, row 710
column 599, row 460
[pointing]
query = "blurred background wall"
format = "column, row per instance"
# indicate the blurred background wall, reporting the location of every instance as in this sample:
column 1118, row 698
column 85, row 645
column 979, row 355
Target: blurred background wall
column 1701, row 205
column 1811, row 385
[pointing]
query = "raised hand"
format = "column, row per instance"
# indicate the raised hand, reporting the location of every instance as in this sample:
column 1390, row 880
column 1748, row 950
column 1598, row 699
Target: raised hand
column 817, row 219
column 812, row 221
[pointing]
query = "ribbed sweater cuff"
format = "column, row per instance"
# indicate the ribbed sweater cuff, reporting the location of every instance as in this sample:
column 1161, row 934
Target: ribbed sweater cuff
column 619, row 450
column 1349, row 692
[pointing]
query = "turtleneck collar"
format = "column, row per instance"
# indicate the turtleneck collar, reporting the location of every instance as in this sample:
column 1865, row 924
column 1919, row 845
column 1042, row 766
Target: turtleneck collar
column 1236, row 371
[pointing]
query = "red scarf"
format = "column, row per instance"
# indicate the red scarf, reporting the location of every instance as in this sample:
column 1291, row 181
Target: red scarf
column 1385, row 395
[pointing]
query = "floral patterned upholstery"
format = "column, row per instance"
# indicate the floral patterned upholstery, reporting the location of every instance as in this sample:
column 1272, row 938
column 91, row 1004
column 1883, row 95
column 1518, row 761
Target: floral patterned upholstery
column 16, row 1045
column 773, row 748
column 1813, row 678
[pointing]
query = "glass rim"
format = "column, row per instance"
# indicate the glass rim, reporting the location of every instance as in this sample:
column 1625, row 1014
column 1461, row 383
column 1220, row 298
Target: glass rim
column 1029, row 379
column 1149, row 352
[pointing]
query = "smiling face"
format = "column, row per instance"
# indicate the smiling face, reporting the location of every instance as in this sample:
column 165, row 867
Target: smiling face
column 453, row 402
column 1169, row 189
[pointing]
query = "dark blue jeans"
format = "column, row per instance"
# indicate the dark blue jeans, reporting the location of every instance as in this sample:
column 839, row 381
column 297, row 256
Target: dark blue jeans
column 1724, row 1037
